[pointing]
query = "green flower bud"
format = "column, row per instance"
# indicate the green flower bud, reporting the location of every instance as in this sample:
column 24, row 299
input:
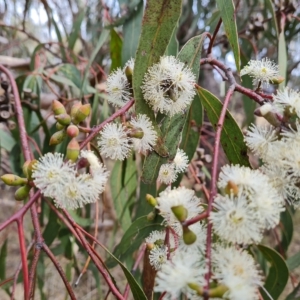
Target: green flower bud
column 13, row 180
column 30, row 168
column 189, row 237
column 22, row 192
column 277, row 80
column 58, row 108
column 180, row 212
column 59, row 126
column 151, row 200
column 57, row 137
column 72, row 131
column 82, row 113
column 74, row 109
column 63, row 119
column 73, row 150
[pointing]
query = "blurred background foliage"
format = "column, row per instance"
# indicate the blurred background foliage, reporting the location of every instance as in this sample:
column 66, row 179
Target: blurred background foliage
column 64, row 49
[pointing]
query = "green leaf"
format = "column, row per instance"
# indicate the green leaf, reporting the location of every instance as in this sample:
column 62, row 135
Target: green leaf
column 282, row 58
column 61, row 79
column 84, row 222
column 293, row 262
column 115, row 47
column 287, row 229
column 232, row 138
column 6, row 141
column 173, row 45
column 75, row 30
column 248, row 104
column 278, row 273
column 192, row 128
column 226, row 8
column 134, row 237
column 131, row 33
column 3, row 255
column 136, row 290
column 102, row 38
column 123, row 186
column 61, row 42
column 71, row 73
column 295, row 294
column 51, row 229
column 160, row 19
column 270, row 6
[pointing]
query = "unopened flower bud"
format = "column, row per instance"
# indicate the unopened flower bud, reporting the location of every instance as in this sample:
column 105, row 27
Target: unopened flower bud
column 73, row 150
column 180, row 212
column 150, row 246
column 217, row 292
column 189, row 237
column 231, row 188
column 58, row 108
column 129, row 73
column 151, row 200
column 82, row 113
column 136, row 133
column 74, row 109
column 57, row 137
column 277, row 80
column 28, row 168
column 25, row 167
column 266, row 111
column 63, row 119
column 72, row 131
column 13, row 180
column 59, row 126
column 22, row 192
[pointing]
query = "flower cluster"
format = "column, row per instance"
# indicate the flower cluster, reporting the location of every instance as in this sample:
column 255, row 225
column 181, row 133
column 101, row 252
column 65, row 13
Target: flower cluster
column 168, row 86
column 250, row 205
column 117, row 140
column 61, row 181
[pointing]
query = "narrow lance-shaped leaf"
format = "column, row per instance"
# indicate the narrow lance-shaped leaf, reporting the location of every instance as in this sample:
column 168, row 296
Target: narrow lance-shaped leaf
column 160, row 19
column 278, row 273
column 227, row 12
column 131, row 33
column 282, row 57
column 115, row 50
column 232, row 138
column 123, row 185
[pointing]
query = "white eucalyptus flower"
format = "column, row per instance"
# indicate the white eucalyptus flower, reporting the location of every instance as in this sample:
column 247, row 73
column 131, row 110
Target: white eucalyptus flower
column 168, row 86
column 113, row 142
column 262, row 71
column 181, row 161
column 149, row 134
column 167, row 173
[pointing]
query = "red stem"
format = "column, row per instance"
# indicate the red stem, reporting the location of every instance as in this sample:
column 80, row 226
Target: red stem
column 23, row 258
column 215, row 162
column 93, row 254
column 211, row 43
